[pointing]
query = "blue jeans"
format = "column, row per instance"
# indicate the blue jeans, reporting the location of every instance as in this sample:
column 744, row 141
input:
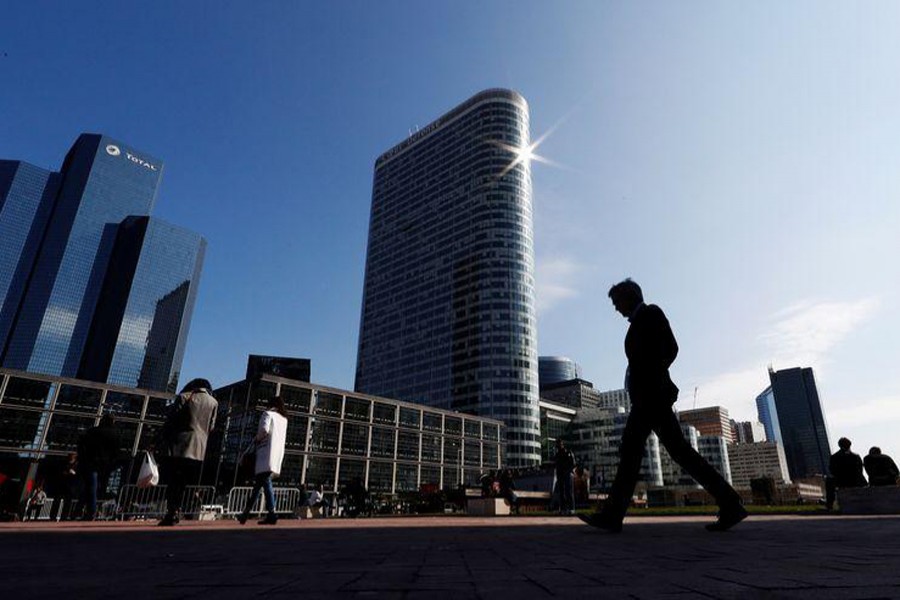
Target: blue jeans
column 262, row 482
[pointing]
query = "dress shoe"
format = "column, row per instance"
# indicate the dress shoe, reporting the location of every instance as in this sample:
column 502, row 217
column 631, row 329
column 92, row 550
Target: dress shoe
column 728, row 518
column 242, row 518
column 168, row 521
column 601, row 521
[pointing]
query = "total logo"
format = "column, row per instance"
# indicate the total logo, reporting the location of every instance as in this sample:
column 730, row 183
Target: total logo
column 114, row 150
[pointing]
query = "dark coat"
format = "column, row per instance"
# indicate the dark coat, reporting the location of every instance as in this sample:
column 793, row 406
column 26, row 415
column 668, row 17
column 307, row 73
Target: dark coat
column 565, row 462
column 881, row 469
column 847, row 469
column 651, row 348
column 98, row 449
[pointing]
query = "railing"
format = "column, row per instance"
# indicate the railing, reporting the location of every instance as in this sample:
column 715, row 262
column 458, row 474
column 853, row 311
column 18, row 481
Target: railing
column 286, row 500
column 144, row 503
column 44, row 514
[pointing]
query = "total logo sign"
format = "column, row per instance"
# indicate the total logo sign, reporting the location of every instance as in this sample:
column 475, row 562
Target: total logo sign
column 114, row 150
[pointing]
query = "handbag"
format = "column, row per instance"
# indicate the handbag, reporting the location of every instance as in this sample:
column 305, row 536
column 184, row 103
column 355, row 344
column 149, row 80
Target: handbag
column 148, row 476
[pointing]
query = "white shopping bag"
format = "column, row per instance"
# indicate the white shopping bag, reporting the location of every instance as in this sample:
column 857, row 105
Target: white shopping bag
column 149, row 474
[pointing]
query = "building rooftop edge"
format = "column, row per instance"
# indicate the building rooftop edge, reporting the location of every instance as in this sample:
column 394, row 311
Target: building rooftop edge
column 424, row 132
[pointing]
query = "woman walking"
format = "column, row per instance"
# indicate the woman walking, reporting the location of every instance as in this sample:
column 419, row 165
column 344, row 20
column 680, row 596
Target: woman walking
column 270, row 438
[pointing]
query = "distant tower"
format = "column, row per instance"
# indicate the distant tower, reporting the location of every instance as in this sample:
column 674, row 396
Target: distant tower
column 448, row 311
column 556, row 369
column 800, row 427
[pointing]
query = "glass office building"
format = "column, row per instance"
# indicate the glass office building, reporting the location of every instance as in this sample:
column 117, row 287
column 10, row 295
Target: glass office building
column 801, row 422
column 42, row 417
column 448, row 311
column 557, row 369
column 138, row 335
column 66, row 241
column 27, row 195
column 335, row 436
column 768, row 416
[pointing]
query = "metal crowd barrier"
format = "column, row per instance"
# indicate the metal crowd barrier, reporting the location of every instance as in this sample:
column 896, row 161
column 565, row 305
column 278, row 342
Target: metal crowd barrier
column 44, row 514
column 150, row 503
column 286, row 500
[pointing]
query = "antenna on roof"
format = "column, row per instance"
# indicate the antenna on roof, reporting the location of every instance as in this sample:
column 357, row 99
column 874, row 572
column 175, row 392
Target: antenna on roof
column 695, row 396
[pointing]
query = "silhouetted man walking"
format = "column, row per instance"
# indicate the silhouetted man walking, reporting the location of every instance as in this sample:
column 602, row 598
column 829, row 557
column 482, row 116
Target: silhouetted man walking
column 651, row 348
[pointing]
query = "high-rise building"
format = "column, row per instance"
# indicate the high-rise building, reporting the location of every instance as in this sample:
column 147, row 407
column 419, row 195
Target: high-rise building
column 714, row 449
column 801, row 422
column 140, row 328
column 576, row 393
column 712, row 420
column 768, row 416
column 757, row 459
column 748, row 432
column 448, row 310
column 673, row 474
column 92, row 287
column 556, row 369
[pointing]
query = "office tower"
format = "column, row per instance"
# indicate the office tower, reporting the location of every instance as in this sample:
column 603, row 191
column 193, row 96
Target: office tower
column 27, row 195
column 556, row 369
column 613, row 399
column 712, row 420
column 92, row 270
column 673, row 473
column 576, row 393
column 800, row 420
column 768, row 416
column 140, row 329
column 747, row 432
column 448, row 316
column 715, row 450
column 594, row 436
column 753, row 460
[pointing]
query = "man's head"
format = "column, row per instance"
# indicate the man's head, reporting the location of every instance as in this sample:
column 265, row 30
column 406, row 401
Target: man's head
column 874, row 451
column 626, row 296
column 844, row 444
column 560, row 444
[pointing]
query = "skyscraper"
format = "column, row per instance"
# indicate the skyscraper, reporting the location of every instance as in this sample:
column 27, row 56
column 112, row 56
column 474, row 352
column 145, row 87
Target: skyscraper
column 81, row 256
column 448, row 311
column 801, row 424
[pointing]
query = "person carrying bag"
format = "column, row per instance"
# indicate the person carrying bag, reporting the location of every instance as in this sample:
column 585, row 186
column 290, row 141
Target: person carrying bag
column 270, row 440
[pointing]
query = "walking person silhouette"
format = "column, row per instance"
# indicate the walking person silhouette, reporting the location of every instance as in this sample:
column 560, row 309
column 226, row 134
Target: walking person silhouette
column 651, row 348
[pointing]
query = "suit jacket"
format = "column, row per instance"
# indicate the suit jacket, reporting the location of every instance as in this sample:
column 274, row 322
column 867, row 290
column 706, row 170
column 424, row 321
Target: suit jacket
column 847, row 469
column 651, row 348
column 189, row 424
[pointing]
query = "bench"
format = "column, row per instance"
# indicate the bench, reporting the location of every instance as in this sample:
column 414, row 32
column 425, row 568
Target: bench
column 877, row 500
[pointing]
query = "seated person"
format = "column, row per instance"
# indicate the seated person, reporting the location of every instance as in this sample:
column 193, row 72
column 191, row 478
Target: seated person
column 316, row 499
column 846, row 471
column 881, row 468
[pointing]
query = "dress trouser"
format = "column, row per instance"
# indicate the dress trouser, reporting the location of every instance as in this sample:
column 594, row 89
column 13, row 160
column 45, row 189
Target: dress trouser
column 640, row 423
column 565, row 486
column 177, row 474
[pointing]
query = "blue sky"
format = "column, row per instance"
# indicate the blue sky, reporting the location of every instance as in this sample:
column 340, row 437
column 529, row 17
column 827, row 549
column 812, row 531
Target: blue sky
column 739, row 161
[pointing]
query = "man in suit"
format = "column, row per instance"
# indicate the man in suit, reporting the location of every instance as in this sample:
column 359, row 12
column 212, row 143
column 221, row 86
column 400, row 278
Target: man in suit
column 846, row 472
column 651, row 348
column 184, row 434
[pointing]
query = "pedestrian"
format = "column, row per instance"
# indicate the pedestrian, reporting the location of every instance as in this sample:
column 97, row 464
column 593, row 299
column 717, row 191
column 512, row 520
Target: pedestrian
column 565, row 486
column 651, row 348
column 846, row 469
column 183, row 438
column 270, row 439
column 881, row 468
column 98, row 452
column 35, row 504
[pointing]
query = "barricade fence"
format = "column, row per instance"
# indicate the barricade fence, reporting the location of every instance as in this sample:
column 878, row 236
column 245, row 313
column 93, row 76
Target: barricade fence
column 136, row 503
column 287, row 499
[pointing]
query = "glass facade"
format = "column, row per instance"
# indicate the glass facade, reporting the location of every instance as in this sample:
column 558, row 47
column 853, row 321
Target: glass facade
column 62, row 238
column 138, row 336
column 801, row 422
column 768, row 416
column 335, row 436
column 26, row 201
column 448, row 315
column 42, row 417
column 556, row 369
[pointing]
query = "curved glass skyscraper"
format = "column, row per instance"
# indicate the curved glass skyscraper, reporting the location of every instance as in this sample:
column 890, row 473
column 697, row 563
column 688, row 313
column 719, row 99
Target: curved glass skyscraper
column 448, row 312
